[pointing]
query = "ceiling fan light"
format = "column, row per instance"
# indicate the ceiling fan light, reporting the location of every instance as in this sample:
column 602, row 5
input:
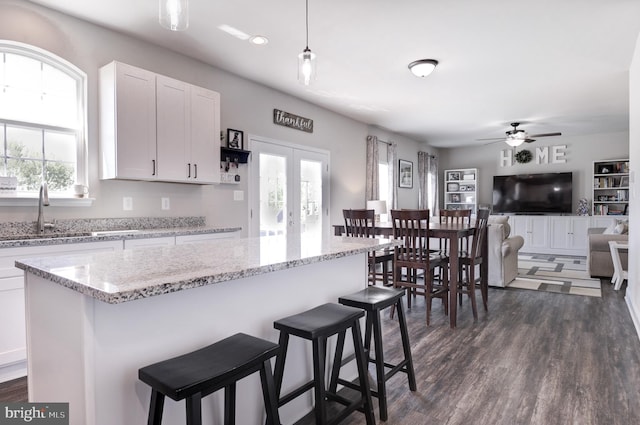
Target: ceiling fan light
column 512, row 141
column 423, row 67
column 174, row 14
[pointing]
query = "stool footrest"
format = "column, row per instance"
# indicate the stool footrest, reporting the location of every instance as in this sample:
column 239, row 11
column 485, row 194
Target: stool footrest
column 351, row 406
column 295, row 393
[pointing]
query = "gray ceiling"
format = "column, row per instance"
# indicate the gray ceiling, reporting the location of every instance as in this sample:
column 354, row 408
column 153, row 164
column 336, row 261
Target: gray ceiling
column 555, row 65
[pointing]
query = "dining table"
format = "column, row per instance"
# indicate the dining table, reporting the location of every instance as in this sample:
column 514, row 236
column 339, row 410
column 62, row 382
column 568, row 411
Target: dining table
column 452, row 232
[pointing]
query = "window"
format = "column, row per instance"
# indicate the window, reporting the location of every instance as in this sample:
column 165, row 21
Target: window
column 42, row 120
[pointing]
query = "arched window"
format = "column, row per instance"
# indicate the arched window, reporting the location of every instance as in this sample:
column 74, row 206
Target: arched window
column 42, row 120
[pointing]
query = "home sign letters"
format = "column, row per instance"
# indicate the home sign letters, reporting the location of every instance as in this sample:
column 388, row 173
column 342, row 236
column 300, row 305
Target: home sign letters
column 542, row 155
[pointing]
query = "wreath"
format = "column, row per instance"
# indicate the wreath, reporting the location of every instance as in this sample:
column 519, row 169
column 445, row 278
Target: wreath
column 524, row 156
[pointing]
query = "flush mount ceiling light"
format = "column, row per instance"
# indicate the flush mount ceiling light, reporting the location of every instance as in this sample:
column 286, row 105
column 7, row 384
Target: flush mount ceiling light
column 174, row 14
column 423, row 67
column 306, row 59
column 259, row 40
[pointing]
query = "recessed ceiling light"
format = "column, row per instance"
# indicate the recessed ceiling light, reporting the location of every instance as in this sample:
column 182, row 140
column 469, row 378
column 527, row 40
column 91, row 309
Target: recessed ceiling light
column 234, row 32
column 259, row 40
column 423, row 67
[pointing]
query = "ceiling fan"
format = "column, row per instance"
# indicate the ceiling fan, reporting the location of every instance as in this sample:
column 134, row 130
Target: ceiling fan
column 516, row 137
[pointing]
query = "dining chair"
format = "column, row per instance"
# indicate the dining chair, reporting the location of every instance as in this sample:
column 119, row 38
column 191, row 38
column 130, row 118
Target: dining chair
column 468, row 260
column 412, row 227
column 360, row 223
column 455, row 217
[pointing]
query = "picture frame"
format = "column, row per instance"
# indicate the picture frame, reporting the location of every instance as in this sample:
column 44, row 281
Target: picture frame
column 454, row 175
column 405, row 174
column 455, row 197
column 453, row 187
column 235, row 139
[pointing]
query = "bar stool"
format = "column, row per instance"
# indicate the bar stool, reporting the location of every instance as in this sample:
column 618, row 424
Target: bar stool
column 316, row 325
column 200, row 373
column 373, row 300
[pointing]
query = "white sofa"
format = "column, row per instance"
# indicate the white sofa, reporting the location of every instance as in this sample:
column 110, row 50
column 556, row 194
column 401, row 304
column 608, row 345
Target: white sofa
column 503, row 251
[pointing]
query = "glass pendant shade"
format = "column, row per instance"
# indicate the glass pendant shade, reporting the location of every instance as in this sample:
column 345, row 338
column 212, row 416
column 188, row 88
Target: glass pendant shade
column 174, row 14
column 306, row 67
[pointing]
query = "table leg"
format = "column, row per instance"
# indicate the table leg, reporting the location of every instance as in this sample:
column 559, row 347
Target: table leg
column 453, row 278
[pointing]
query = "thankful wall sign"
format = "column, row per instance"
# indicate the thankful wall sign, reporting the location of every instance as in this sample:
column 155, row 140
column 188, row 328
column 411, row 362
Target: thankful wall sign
column 292, row 121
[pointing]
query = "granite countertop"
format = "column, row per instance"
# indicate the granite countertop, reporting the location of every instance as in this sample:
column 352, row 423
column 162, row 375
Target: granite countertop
column 117, row 277
column 21, row 234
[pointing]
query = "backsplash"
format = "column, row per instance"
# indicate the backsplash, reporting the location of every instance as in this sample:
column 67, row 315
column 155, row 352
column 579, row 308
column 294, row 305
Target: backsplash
column 65, row 226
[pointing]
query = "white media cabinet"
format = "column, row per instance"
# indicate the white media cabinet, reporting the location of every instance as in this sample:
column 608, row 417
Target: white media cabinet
column 556, row 234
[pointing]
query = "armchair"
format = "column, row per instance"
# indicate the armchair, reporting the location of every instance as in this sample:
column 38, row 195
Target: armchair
column 503, row 251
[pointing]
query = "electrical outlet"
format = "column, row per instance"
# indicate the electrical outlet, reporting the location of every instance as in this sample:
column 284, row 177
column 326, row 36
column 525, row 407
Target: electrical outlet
column 165, row 204
column 127, row 203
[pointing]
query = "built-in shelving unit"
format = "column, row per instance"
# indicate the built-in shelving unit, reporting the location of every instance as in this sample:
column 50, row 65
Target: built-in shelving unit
column 611, row 187
column 460, row 189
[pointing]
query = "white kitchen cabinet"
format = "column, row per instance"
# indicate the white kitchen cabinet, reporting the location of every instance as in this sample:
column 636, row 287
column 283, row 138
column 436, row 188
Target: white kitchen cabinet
column 158, row 128
column 534, row 230
column 204, row 148
column 127, row 122
column 13, row 353
column 149, row 242
column 569, row 234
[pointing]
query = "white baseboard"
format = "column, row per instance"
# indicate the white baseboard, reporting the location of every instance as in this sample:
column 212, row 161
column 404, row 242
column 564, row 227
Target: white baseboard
column 13, row 371
column 634, row 314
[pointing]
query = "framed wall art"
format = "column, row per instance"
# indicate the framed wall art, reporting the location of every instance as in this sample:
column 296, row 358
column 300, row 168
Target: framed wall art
column 405, row 174
column 235, row 139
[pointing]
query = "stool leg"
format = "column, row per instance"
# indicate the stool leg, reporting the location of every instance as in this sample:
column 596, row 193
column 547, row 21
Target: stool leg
column 269, row 394
column 155, row 408
column 230, row 404
column 194, row 413
column 406, row 347
column 362, row 373
column 337, row 363
column 283, row 341
column 319, row 355
column 379, row 361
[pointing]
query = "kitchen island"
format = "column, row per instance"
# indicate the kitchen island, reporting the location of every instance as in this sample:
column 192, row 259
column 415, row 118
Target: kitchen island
column 94, row 319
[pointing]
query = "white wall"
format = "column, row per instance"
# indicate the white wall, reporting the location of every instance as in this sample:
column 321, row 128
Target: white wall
column 633, row 292
column 245, row 106
column 580, row 153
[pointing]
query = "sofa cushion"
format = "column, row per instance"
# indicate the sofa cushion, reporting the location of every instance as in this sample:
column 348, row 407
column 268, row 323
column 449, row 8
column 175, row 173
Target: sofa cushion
column 618, row 227
column 504, row 220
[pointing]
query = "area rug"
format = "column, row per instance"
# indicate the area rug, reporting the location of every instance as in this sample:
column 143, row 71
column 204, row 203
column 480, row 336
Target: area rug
column 558, row 274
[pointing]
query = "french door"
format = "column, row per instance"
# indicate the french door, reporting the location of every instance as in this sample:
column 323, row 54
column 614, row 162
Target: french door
column 289, row 190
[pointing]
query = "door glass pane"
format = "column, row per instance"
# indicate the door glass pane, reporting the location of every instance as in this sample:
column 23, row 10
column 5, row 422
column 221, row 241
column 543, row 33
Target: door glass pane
column 273, row 195
column 311, row 200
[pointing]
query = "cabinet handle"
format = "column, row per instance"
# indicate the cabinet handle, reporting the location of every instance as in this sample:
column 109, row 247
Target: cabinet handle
column 153, row 162
column 189, row 170
column 195, row 171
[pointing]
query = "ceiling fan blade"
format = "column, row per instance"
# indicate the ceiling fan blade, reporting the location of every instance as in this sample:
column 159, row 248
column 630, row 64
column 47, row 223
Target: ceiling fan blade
column 491, row 138
column 527, row 140
column 546, row 135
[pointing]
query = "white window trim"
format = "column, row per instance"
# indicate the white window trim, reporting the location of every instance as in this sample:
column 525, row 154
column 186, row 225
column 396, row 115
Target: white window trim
column 82, row 152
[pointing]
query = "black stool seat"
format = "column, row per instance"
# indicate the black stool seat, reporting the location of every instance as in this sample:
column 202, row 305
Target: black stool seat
column 317, row 325
column 372, row 300
column 204, row 371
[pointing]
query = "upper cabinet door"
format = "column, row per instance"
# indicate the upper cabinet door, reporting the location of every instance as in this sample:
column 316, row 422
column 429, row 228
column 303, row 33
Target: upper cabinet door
column 127, row 122
column 205, row 135
column 173, row 129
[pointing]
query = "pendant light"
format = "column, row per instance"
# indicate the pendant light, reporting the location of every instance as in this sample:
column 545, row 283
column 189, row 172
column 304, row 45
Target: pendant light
column 174, row 14
column 306, row 59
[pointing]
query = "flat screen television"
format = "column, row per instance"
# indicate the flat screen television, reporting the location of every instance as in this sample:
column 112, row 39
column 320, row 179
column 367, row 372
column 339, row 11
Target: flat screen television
column 548, row 193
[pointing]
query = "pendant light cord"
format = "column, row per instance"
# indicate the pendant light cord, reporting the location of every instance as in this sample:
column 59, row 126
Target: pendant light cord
column 307, row 22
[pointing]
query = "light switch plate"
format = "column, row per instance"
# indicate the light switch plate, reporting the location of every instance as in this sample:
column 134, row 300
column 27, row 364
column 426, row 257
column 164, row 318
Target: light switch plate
column 238, row 195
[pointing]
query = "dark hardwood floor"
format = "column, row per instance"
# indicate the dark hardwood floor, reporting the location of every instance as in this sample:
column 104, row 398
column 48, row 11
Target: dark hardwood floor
column 535, row 358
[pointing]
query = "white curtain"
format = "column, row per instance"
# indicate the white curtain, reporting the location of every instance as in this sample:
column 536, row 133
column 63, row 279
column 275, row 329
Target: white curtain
column 371, row 185
column 392, row 196
column 428, row 182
